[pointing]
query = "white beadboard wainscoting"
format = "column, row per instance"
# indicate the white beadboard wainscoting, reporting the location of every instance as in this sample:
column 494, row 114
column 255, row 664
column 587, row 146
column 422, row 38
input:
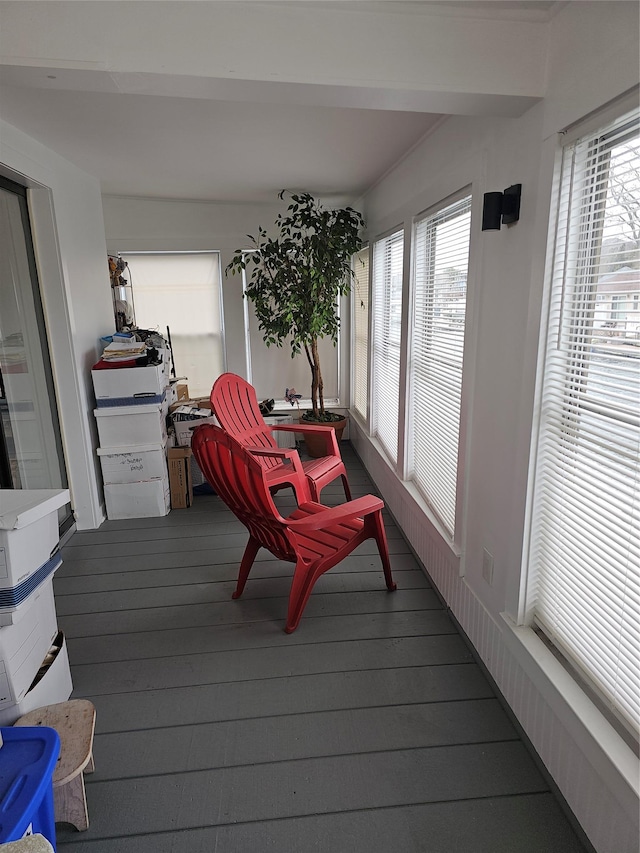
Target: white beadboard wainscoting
column 595, row 771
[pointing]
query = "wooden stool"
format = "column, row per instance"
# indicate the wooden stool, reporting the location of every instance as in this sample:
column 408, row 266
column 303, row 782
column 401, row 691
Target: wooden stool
column 75, row 723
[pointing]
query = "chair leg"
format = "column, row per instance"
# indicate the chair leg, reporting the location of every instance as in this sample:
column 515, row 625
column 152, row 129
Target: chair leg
column 253, row 546
column 313, row 489
column 376, row 525
column 347, row 490
column 70, row 803
column 304, row 579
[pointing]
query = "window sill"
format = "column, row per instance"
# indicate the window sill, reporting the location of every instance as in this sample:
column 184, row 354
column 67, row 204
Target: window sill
column 598, row 740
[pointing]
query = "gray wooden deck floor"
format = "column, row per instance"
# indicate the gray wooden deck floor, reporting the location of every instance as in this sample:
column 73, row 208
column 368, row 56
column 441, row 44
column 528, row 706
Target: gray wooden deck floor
column 369, row 730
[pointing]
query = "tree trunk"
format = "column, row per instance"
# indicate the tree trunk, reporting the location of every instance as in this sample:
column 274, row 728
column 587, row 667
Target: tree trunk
column 317, row 385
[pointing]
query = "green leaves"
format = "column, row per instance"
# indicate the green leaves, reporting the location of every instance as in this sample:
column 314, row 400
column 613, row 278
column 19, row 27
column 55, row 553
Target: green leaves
column 296, row 278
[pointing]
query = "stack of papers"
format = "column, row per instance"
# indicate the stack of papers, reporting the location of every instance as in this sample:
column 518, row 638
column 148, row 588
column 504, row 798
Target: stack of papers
column 123, row 350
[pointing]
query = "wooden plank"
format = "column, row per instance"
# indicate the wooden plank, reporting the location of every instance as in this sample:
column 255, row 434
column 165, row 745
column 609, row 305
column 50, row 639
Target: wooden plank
column 296, row 736
column 197, row 640
column 97, row 679
column 219, row 590
column 296, row 788
column 146, row 577
column 244, row 611
column 175, row 706
column 232, row 542
column 208, row 524
column 139, row 567
column 528, row 823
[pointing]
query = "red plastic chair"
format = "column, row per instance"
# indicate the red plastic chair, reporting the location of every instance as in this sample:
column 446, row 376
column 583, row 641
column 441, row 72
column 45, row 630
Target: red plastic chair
column 236, row 407
column 314, row 537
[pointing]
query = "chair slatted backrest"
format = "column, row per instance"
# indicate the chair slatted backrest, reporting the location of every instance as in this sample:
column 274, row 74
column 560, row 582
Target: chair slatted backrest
column 235, row 405
column 238, row 479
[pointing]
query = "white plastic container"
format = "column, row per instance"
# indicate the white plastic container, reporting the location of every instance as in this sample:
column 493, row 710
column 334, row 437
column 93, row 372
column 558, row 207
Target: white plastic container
column 284, row 440
column 138, row 500
column 124, row 426
column 28, row 530
column 133, row 464
column 128, row 382
column 184, row 429
column 54, row 686
column 24, row 644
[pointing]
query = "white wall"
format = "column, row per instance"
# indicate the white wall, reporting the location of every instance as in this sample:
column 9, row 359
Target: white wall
column 593, row 58
column 166, row 225
column 146, row 225
column 68, row 228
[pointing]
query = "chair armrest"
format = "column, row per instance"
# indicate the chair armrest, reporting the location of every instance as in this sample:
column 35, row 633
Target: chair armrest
column 332, row 448
column 271, row 451
column 288, row 455
column 353, row 509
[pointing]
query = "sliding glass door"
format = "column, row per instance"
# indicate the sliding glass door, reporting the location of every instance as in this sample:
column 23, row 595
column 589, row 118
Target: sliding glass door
column 30, row 441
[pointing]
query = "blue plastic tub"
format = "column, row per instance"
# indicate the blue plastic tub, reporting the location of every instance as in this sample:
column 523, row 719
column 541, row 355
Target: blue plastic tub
column 27, row 760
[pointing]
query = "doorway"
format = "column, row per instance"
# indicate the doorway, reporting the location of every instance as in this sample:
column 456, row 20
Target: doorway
column 31, row 455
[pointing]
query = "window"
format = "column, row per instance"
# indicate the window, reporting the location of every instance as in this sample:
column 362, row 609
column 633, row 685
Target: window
column 385, row 343
column 584, row 551
column 360, row 324
column 181, row 290
column 441, row 261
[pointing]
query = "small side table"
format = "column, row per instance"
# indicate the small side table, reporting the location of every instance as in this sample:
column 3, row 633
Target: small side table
column 75, row 723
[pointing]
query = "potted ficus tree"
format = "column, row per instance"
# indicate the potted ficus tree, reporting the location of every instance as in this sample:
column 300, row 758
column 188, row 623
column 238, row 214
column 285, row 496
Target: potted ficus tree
column 295, row 279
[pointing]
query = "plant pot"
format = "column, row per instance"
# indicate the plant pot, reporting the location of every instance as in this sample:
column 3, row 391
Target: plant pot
column 316, row 445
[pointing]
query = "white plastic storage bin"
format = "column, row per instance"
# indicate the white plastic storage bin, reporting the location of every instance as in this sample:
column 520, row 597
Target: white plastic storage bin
column 124, row 382
column 28, row 531
column 13, row 599
column 123, row 426
column 284, row 440
column 184, row 429
column 133, row 464
column 54, row 684
column 138, row 500
column 23, row 645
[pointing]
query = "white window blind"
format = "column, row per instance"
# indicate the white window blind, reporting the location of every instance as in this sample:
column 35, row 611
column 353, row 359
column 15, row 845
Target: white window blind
column 385, row 343
column 181, row 290
column 360, row 331
column 441, row 262
column 584, row 554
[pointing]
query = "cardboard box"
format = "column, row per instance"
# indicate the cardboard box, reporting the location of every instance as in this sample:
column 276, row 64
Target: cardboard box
column 128, row 382
column 150, row 499
column 124, row 426
column 184, row 429
column 52, row 684
column 180, row 479
column 182, row 392
column 133, row 464
column 24, row 644
column 28, row 531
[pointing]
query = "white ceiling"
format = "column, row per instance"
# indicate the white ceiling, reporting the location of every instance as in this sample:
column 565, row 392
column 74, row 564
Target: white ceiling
column 208, row 136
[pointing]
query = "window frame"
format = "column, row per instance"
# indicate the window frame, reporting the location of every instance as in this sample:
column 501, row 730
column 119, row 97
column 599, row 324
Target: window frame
column 364, row 352
column 573, row 338
column 386, row 243
column 457, row 203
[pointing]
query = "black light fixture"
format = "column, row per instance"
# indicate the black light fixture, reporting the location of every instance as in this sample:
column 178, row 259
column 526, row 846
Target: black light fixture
column 501, row 208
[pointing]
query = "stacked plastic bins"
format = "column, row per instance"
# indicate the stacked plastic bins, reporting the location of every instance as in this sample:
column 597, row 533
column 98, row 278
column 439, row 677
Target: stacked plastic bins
column 132, row 406
column 34, row 666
